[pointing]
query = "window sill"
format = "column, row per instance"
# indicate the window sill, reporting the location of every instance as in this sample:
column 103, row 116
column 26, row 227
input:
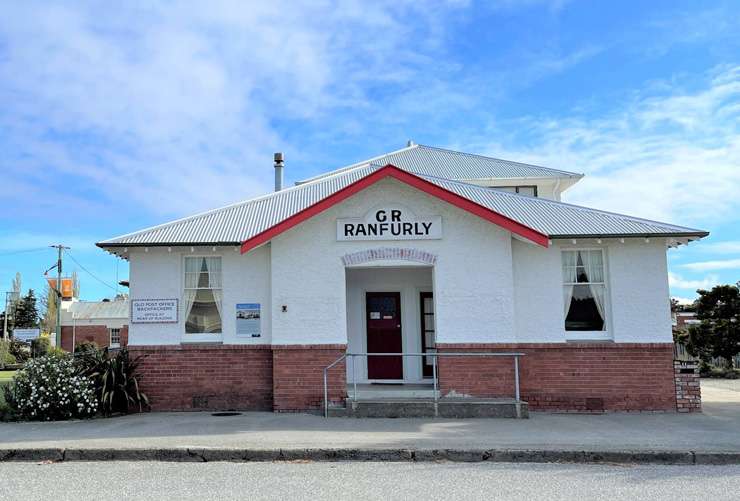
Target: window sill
column 588, row 336
column 202, row 338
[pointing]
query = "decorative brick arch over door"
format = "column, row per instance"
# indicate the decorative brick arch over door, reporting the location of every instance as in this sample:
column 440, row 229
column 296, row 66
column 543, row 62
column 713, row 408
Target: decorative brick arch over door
column 389, row 254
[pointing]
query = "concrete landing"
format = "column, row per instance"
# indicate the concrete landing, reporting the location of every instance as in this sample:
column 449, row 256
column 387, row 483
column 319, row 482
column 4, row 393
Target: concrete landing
column 446, row 408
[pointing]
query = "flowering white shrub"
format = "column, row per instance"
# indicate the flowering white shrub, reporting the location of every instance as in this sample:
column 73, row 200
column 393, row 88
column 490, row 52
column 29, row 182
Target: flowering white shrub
column 48, row 388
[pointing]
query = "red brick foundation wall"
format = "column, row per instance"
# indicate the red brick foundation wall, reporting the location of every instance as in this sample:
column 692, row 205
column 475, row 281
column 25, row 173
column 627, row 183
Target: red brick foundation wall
column 688, row 386
column 199, row 377
column 98, row 334
column 579, row 377
column 298, row 376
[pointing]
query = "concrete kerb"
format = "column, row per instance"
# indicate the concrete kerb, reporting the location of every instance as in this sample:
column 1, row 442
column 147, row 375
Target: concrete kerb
column 397, row 455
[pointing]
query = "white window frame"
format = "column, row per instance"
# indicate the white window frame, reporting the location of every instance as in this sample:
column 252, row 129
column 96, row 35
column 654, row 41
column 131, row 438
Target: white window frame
column 606, row 334
column 202, row 337
column 110, row 337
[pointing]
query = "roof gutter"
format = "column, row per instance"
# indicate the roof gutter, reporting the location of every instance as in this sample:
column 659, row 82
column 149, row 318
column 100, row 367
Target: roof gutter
column 698, row 234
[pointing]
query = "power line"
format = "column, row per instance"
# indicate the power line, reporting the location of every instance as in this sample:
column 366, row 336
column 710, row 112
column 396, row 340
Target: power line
column 89, row 272
column 23, row 251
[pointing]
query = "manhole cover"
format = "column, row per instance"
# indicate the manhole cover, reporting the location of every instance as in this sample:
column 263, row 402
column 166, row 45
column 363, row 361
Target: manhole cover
column 221, row 414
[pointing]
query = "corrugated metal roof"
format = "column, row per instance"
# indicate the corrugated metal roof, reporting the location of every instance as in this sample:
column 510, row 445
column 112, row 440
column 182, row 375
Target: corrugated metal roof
column 89, row 310
column 558, row 219
column 236, row 223
column 457, row 165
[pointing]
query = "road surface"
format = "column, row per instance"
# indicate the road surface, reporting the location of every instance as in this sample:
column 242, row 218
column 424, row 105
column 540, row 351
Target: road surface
column 388, row 481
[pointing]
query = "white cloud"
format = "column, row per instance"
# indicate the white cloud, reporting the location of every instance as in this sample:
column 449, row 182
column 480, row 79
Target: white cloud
column 728, row 247
column 172, row 108
column 678, row 282
column 721, row 264
column 683, row 300
column 672, row 155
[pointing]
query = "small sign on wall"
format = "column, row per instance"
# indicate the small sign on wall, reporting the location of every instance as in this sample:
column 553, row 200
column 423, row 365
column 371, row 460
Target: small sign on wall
column 248, row 321
column 153, row 311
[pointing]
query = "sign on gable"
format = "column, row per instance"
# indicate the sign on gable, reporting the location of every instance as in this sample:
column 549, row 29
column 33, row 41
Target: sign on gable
column 390, row 223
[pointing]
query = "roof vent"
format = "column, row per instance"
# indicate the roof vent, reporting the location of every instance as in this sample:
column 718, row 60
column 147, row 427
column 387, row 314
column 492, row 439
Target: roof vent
column 278, row 171
column 410, row 143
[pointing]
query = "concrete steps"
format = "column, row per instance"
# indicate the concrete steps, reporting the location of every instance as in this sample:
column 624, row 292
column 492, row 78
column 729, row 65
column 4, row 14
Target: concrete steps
column 446, row 408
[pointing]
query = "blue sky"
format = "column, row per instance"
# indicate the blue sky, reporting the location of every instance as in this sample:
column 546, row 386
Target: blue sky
column 116, row 118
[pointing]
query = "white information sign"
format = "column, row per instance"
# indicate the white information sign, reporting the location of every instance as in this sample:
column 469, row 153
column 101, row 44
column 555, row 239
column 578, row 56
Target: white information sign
column 26, row 335
column 390, row 223
column 248, row 321
column 153, row 311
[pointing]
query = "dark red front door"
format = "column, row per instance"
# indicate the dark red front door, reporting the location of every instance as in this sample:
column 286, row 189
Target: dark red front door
column 384, row 335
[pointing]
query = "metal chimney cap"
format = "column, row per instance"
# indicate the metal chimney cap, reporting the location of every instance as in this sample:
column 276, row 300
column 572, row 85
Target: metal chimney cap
column 278, row 157
column 409, row 143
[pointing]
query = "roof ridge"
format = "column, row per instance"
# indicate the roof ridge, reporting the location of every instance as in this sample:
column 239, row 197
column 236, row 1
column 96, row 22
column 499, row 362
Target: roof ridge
column 353, row 166
column 447, row 150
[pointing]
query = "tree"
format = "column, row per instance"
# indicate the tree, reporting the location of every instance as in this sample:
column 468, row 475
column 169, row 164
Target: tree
column 26, row 312
column 718, row 334
column 16, row 287
column 3, row 334
column 75, row 285
column 49, row 305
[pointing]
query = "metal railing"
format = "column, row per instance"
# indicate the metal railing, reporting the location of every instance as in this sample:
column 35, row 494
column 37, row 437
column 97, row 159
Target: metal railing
column 435, row 381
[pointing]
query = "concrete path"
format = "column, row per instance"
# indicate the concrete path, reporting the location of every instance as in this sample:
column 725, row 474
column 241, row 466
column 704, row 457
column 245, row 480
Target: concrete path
column 717, row 429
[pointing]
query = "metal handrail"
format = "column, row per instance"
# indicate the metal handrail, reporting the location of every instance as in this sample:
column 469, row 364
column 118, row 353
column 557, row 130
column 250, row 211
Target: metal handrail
column 433, row 355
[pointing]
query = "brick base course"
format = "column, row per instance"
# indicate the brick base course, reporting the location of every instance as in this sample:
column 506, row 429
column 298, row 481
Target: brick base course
column 298, row 376
column 570, row 377
column 200, row 377
column 576, row 377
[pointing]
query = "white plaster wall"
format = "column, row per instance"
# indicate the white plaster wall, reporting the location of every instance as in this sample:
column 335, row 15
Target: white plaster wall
column 158, row 274
column 538, row 300
column 640, row 298
column 546, row 188
column 637, row 291
column 410, row 281
column 489, row 288
column 472, row 276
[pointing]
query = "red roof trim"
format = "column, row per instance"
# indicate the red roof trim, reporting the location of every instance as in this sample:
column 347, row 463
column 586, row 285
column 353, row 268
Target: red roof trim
column 407, row 178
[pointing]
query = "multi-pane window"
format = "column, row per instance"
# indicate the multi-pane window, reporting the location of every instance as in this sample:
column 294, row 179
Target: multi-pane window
column 584, row 290
column 530, row 191
column 115, row 337
column 202, row 295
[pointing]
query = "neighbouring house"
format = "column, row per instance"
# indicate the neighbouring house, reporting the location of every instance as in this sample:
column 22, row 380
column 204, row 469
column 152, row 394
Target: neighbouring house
column 682, row 320
column 401, row 271
column 103, row 322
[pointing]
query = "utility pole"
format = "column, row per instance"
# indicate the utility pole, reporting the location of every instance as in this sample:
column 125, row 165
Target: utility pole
column 60, row 248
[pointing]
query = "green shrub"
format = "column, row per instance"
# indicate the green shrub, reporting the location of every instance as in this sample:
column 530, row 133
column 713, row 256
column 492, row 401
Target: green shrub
column 6, row 413
column 49, row 388
column 86, row 346
column 56, row 351
column 40, row 346
column 115, row 378
column 19, row 350
column 6, row 357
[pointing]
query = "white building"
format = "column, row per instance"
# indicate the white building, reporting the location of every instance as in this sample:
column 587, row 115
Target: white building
column 419, row 250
